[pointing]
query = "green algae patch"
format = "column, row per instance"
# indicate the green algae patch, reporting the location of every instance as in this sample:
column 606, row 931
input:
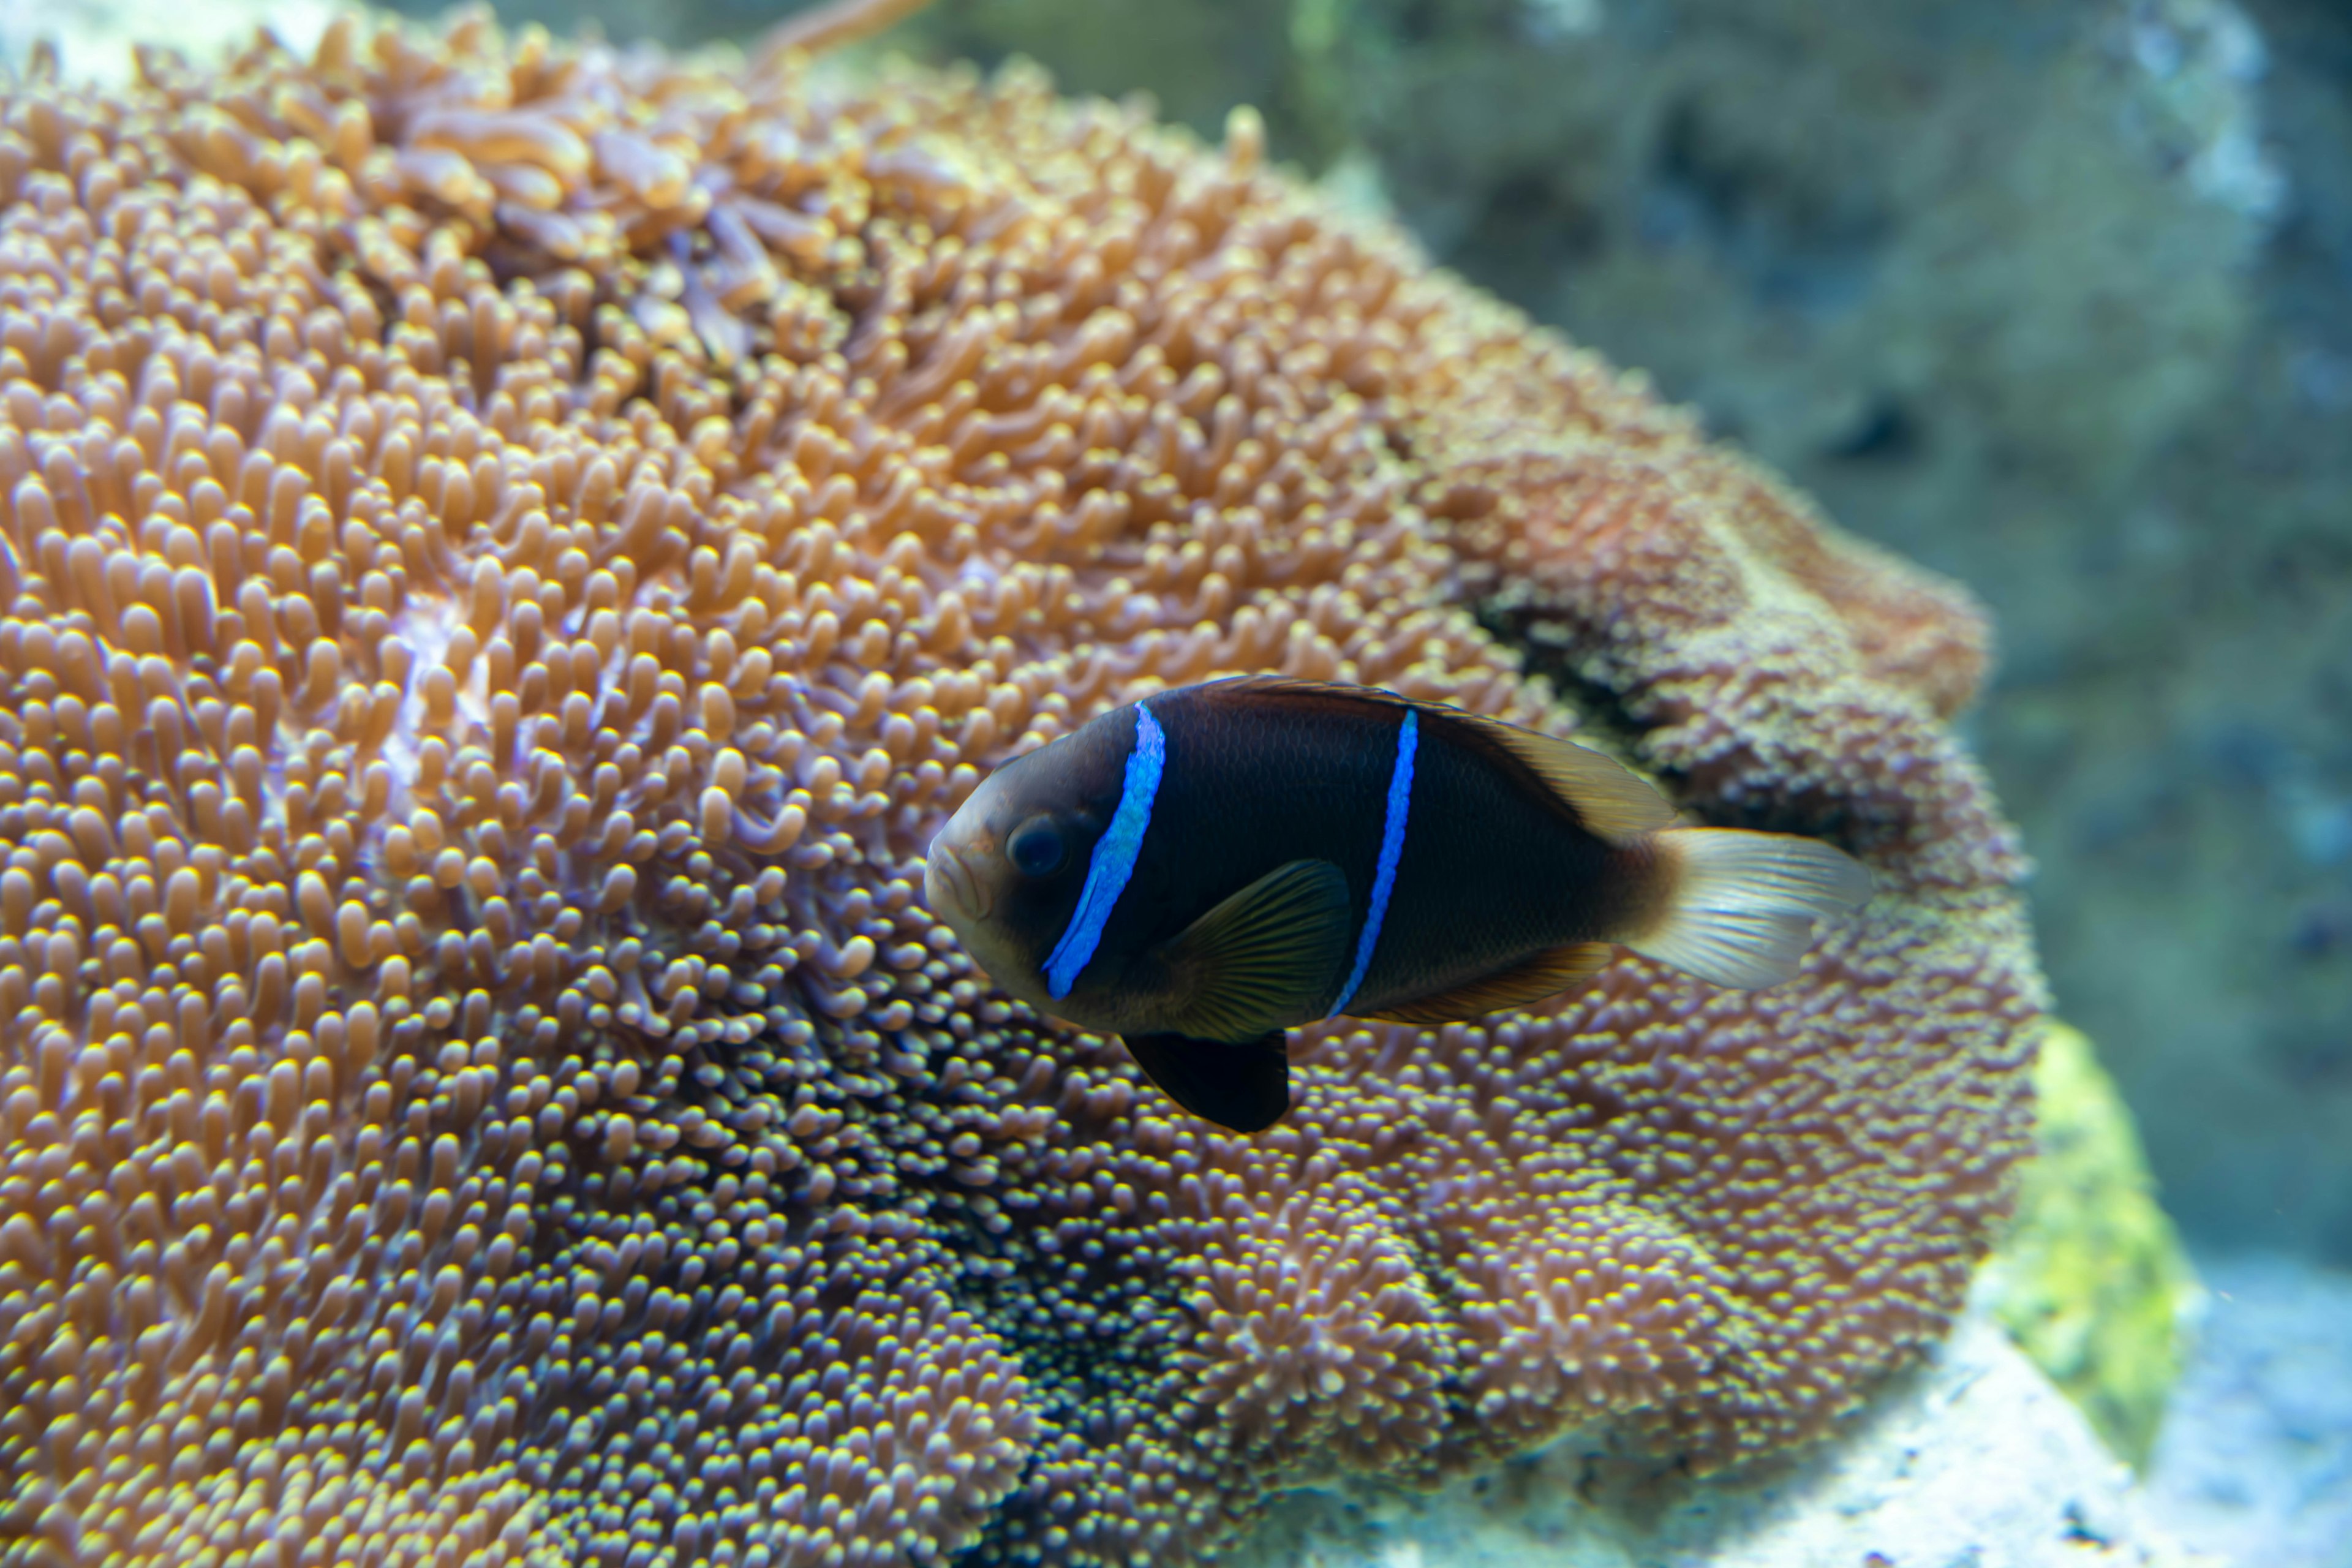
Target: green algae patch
column 2092, row 1283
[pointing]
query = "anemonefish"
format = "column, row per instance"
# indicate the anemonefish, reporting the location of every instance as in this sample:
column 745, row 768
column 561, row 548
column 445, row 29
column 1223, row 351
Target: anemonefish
column 1200, row 870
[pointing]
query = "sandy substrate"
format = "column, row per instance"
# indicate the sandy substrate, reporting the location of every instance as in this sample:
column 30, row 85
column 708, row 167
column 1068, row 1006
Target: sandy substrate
column 2254, row 1466
column 1974, row 1460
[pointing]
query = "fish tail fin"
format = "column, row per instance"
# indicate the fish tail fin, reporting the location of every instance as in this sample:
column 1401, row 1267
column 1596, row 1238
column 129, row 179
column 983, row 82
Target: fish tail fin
column 1736, row 908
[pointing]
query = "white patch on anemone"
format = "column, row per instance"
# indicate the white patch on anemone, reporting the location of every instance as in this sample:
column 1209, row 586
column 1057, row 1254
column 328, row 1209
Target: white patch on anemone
column 426, row 627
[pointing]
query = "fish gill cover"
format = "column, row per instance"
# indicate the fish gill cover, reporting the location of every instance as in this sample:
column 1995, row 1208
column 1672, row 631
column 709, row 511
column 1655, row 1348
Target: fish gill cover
column 512, row 548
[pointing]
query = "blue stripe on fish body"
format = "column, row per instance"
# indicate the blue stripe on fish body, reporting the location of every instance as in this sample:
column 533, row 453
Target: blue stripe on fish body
column 1114, row 857
column 1392, row 850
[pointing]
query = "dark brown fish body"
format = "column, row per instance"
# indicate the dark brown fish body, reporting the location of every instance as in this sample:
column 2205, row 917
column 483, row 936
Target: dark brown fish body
column 1488, row 872
column 1218, row 863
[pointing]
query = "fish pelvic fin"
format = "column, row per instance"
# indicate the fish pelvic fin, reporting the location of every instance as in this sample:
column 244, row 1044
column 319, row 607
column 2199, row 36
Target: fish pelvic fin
column 1737, row 908
column 1531, row 980
column 1244, row 1087
column 1263, row 959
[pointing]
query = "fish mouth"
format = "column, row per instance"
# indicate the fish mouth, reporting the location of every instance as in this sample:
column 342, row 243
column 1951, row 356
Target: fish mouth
column 952, row 889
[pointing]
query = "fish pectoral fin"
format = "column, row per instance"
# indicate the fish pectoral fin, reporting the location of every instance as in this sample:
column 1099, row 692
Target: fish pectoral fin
column 1244, row 1087
column 1555, row 969
column 1263, row 959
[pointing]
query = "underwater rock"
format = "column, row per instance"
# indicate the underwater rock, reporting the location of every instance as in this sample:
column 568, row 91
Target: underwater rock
column 2254, row 1464
column 1974, row 1458
column 512, row 549
column 2091, row 1280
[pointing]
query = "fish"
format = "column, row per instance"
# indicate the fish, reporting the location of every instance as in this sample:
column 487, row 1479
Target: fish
column 1201, row 871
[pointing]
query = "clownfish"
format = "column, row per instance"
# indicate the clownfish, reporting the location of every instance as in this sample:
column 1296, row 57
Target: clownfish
column 1201, row 869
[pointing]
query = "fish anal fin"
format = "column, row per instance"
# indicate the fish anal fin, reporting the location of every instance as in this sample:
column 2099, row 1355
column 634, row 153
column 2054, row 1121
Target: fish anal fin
column 1606, row 797
column 1244, row 1087
column 1263, row 959
column 1531, row 980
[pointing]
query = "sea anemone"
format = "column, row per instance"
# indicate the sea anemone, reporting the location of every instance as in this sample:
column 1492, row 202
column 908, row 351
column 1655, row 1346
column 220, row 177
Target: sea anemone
column 510, row 550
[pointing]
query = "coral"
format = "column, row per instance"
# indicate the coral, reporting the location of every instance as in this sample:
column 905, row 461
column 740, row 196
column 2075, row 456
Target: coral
column 2092, row 1280
column 511, row 550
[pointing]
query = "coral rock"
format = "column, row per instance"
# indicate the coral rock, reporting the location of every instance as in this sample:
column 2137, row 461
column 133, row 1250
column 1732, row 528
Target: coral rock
column 512, row 548
column 2092, row 1279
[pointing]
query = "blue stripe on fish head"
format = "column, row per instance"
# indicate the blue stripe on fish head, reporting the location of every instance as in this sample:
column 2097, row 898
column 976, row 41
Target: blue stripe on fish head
column 1112, row 863
column 1007, row 872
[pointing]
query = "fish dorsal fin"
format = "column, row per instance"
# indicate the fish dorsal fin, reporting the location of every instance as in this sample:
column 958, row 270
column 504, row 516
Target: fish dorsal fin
column 1606, row 797
column 1610, row 800
column 1244, row 1087
column 1264, row 957
column 1527, row 980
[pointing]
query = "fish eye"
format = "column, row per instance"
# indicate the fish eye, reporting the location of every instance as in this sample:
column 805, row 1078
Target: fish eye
column 1036, row 848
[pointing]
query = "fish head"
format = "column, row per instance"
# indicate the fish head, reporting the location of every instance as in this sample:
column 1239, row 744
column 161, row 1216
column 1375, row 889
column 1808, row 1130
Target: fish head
column 1007, row 871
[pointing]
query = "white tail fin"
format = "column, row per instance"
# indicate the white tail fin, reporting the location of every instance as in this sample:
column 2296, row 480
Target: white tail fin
column 1742, row 905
